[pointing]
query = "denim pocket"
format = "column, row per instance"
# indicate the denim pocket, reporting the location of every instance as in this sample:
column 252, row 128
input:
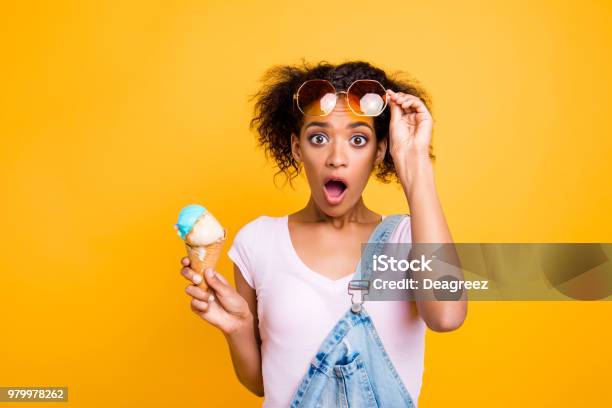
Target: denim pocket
column 355, row 387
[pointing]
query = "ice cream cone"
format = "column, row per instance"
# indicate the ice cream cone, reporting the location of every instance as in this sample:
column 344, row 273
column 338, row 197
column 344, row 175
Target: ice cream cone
column 204, row 237
column 202, row 257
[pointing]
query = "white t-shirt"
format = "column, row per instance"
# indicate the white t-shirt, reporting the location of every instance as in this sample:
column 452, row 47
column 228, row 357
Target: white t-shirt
column 297, row 307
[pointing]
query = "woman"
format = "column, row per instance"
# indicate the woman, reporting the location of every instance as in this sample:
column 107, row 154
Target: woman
column 292, row 272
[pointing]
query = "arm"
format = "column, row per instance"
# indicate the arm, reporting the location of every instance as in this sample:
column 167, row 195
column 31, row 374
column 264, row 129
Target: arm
column 245, row 345
column 231, row 311
column 428, row 225
column 410, row 134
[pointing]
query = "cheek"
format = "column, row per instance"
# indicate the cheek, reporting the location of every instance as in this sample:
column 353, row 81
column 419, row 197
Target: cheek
column 313, row 161
column 312, row 157
column 364, row 158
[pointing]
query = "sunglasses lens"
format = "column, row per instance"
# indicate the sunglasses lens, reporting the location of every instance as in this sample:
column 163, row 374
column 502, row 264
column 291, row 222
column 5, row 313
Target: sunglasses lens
column 316, row 98
column 367, row 97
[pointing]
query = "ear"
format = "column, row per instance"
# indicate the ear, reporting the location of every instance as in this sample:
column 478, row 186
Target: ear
column 295, row 148
column 381, row 149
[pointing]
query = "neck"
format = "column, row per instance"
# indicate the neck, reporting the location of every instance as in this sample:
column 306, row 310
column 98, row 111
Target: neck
column 359, row 213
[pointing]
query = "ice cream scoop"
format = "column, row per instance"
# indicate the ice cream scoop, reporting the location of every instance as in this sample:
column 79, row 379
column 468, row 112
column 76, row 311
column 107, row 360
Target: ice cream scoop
column 204, row 238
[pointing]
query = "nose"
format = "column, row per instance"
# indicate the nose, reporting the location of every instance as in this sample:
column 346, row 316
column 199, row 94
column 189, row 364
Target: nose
column 337, row 155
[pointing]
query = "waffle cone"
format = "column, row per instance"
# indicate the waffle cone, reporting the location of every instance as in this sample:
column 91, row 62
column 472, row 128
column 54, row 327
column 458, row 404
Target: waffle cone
column 203, row 257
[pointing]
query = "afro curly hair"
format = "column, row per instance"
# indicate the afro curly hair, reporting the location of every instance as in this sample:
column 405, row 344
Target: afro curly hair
column 275, row 118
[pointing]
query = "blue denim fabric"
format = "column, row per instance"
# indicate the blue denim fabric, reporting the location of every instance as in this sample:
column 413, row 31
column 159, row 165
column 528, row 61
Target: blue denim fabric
column 352, row 368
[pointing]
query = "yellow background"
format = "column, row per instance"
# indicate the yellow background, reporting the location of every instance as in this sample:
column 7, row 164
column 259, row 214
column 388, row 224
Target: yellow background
column 115, row 114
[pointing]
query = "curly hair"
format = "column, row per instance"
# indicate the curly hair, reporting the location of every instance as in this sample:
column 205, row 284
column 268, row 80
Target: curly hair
column 275, row 118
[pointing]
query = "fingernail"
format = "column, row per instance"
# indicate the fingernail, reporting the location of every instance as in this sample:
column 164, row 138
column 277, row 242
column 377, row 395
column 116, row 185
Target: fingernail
column 209, row 273
column 197, row 278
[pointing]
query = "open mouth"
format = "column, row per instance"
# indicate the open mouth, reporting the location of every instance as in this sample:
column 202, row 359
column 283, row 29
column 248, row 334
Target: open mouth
column 335, row 190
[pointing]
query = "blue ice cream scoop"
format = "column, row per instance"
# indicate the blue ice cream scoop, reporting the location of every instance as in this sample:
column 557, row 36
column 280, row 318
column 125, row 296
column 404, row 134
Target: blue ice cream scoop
column 187, row 219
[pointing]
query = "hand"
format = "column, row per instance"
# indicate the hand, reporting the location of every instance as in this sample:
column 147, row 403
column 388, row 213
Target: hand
column 410, row 126
column 220, row 305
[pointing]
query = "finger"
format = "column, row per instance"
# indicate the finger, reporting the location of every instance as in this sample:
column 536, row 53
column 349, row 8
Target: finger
column 221, row 278
column 185, row 261
column 399, row 98
column 199, row 306
column 198, row 293
column 212, row 313
column 393, row 97
column 411, row 103
column 199, row 312
column 402, row 97
column 191, row 275
column 414, row 103
column 396, row 110
column 221, row 287
column 397, row 95
column 418, row 108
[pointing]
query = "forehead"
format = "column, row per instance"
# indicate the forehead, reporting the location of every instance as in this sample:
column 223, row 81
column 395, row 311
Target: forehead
column 341, row 117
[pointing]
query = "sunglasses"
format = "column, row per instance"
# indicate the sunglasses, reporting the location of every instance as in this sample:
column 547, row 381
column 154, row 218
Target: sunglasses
column 318, row 97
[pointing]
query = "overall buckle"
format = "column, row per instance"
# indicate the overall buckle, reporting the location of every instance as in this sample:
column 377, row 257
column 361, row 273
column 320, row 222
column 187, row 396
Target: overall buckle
column 358, row 289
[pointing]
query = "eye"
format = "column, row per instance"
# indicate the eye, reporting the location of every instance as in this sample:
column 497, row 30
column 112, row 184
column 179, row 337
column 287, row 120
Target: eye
column 318, row 139
column 359, row 140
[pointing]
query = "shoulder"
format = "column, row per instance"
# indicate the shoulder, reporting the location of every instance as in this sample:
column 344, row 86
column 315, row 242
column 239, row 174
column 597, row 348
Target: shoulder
column 403, row 232
column 251, row 247
column 257, row 227
column 257, row 235
column 405, row 219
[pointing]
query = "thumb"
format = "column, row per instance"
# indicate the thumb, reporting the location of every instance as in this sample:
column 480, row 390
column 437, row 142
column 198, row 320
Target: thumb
column 221, row 287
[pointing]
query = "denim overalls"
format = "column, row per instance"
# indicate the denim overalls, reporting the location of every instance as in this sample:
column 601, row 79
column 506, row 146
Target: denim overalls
column 352, row 368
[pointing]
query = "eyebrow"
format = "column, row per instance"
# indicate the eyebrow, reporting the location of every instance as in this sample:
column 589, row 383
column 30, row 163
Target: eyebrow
column 357, row 124
column 349, row 126
column 322, row 124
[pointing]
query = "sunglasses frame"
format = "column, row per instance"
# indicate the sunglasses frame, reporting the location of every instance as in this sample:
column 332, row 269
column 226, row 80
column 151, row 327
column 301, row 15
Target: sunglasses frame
column 296, row 97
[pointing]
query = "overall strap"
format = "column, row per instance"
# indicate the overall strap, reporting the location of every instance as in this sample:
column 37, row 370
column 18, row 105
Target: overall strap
column 360, row 285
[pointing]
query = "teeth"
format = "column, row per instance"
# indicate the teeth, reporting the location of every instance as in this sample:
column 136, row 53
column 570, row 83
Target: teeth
column 335, row 181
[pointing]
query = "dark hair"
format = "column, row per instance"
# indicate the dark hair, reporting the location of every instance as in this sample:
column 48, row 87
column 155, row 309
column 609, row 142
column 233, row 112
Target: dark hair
column 275, row 117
